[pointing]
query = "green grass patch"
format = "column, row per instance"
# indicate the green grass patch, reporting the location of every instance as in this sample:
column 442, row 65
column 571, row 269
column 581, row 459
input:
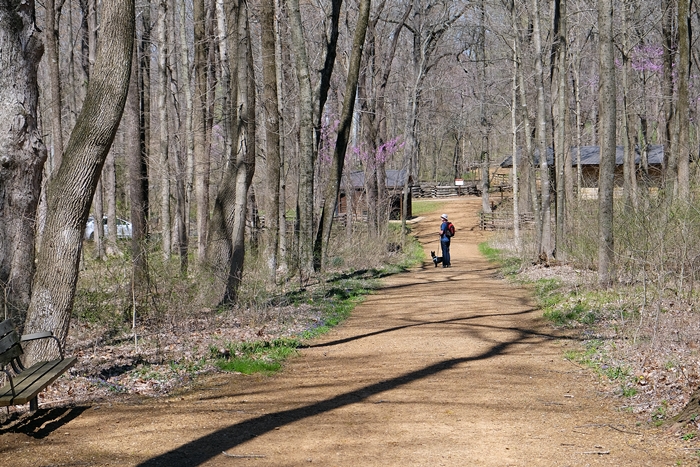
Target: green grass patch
column 425, row 206
column 590, row 356
column 335, row 299
column 264, row 357
column 248, row 366
column 509, row 265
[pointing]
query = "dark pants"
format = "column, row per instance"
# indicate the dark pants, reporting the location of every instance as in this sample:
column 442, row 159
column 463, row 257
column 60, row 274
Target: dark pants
column 445, row 245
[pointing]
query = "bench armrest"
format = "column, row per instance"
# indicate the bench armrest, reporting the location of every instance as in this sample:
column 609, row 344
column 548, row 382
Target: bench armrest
column 43, row 335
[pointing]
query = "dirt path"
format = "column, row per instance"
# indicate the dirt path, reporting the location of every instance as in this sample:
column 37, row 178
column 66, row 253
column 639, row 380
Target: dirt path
column 445, row 367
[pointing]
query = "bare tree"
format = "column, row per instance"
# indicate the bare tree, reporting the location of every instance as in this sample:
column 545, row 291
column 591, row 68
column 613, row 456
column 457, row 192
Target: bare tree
column 560, row 117
column 70, row 192
column 22, row 155
column 51, row 46
column 272, row 132
column 681, row 118
column 138, row 187
column 608, row 120
column 305, row 198
column 544, row 236
column 199, row 128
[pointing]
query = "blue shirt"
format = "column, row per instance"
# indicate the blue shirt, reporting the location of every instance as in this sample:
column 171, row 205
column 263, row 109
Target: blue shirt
column 443, row 227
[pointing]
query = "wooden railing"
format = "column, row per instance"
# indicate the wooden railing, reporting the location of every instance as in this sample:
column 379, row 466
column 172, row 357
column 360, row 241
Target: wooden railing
column 444, row 191
column 504, row 220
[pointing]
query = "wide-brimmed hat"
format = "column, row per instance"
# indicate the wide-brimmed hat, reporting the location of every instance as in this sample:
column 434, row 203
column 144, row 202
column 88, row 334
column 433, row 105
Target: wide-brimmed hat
column 444, row 216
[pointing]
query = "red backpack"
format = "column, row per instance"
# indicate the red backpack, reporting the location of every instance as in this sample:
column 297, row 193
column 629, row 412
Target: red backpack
column 450, row 232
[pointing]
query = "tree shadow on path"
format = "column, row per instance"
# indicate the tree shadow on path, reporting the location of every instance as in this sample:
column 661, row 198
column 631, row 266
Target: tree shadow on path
column 207, row 447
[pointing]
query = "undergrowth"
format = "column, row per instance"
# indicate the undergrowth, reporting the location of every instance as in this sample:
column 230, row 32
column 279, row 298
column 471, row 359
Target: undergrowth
column 639, row 337
column 576, row 308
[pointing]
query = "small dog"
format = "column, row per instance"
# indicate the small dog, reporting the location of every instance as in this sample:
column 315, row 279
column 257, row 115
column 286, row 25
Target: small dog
column 436, row 259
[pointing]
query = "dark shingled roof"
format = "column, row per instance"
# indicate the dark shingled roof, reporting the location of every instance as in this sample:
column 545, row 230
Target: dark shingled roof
column 590, row 155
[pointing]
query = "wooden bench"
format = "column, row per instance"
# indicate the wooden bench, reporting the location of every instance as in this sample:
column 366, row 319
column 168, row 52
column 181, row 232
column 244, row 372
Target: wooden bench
column 24, row 384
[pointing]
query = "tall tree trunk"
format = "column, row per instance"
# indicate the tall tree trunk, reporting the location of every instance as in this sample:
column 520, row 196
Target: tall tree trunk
column 629, row 172
column 98, row 198
column 527, row 162
column 222, row 226
column 306, row 145
column 514, row 129
column 183, row 71
column 272, row 133
column 245, row 160
column 579, row 120
column 485, row 129
column 51, row 39
column 606, row 92
column 138, row 189
column 70, row 192
column 145, row 57
column 201, row 155
column 163, row 135
column 545, row 247
column 180, row 117
column 22, row 157
column 683, row 104
column 282, row 213
column 666, row 125
column 560, row 98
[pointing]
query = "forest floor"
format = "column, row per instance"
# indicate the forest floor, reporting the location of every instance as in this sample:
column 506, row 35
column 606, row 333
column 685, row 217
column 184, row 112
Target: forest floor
column 448, row 367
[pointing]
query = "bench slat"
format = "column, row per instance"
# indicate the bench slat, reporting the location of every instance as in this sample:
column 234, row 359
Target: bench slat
column 6, row 326
column 8, row 341
column 33, row 380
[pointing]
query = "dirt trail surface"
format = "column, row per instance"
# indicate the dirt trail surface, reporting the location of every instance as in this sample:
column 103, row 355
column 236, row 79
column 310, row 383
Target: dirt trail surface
column 448, row 367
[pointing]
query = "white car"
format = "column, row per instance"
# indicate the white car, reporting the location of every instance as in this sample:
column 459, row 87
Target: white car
column 123, row 228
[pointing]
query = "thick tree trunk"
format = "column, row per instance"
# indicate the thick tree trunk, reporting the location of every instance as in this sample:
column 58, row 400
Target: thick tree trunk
column 22, row 157
column 245, row 161
column 70, row 192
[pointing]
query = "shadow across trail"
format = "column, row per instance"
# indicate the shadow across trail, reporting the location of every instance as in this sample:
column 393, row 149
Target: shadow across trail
column 205, row 448
column 418, row 324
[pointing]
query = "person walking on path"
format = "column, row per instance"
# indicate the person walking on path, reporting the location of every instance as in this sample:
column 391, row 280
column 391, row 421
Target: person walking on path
column 445, row 241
